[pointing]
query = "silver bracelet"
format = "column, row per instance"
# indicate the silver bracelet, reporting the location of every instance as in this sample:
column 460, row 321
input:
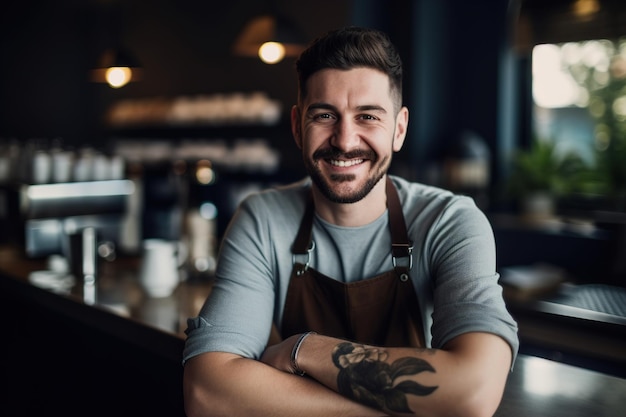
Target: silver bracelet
column 294, row 353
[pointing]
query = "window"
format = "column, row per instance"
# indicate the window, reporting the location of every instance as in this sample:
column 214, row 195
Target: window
column 579, row 105
column 579, row 93
column 573, row 60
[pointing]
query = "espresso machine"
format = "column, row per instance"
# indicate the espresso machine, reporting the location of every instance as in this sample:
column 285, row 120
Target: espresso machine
column 79, row 221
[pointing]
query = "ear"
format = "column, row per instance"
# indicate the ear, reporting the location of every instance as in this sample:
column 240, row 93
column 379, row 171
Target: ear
column 296, row 125
column 402, row 123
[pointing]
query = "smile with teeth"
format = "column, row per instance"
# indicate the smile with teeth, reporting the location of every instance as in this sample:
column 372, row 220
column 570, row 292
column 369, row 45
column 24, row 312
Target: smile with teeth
column 342, row 163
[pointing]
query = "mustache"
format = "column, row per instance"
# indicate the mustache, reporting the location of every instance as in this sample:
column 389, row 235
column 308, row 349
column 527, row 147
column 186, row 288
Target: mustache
column 334, row 153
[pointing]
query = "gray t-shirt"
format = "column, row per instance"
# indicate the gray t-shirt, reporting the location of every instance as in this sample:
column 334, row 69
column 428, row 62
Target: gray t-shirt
column 454, row 267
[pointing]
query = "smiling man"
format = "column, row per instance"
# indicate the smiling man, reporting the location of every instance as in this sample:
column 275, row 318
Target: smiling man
column 351, row 292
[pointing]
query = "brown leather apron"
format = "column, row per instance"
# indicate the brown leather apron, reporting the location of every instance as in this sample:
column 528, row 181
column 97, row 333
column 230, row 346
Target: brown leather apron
column 382, row 310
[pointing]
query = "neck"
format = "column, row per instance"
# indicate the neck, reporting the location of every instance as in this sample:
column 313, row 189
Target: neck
column 363, row 212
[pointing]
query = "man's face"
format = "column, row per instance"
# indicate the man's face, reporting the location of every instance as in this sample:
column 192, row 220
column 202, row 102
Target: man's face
column 348, row 130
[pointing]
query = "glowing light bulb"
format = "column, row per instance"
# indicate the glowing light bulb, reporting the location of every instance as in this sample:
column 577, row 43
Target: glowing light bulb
column 118, row 76
column 204, row 172
column 271, row 52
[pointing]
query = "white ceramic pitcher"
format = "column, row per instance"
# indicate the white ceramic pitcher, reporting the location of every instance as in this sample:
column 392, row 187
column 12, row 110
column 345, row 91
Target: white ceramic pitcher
column 159, row 274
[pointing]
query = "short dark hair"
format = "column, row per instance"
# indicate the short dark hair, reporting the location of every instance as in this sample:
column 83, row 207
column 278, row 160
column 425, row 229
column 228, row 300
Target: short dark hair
column 352, row 47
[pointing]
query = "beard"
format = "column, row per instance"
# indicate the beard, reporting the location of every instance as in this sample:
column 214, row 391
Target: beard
column 331, row 187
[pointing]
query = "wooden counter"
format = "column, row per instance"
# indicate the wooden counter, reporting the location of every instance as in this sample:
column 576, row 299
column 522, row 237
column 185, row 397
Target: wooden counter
column 118, row 303
column 117, row 351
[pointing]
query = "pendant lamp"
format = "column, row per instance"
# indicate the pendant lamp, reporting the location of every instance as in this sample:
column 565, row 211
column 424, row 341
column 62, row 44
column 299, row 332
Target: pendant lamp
column 116, row 67
column 269, row 37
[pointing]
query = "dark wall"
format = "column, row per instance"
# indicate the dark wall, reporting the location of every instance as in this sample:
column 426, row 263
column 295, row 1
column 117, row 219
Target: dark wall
column 43, row 86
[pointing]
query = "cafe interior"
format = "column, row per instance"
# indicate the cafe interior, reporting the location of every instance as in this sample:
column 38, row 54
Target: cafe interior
column 131, row 130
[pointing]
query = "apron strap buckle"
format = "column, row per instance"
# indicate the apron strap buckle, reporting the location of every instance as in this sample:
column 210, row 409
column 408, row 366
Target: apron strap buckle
column 402, row 251
column 302, row 267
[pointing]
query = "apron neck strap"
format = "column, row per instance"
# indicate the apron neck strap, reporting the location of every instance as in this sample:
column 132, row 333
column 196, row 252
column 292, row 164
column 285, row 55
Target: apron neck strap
column 401, row 246
column 302, row 244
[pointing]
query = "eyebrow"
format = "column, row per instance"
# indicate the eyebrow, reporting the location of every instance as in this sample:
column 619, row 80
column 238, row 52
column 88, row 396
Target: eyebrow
column 365, row 107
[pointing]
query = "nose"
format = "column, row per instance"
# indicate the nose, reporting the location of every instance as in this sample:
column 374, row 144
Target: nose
column 345, row 135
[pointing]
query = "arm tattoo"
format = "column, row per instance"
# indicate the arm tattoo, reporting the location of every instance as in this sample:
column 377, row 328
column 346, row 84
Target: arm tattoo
column 365, row 377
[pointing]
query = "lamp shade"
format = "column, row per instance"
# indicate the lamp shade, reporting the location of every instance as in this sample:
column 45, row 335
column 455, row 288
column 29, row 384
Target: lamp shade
column 117, row 57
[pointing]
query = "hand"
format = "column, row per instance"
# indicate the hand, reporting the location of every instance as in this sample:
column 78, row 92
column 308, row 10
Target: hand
column 279, row 355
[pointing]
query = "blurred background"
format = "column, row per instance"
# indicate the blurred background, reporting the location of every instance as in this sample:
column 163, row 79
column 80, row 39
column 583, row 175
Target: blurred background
column 520, row 104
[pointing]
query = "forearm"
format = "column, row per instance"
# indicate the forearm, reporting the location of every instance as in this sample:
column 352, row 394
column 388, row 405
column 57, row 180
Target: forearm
column 465, row 379
column 221, row 384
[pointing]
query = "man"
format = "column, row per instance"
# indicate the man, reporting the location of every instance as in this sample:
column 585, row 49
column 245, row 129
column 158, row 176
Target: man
column 351, row 293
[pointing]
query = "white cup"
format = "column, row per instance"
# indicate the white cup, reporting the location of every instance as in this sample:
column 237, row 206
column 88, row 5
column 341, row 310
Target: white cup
column 159, row 274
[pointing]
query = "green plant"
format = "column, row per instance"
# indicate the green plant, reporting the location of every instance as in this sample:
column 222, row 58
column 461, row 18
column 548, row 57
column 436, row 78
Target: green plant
column 537, row 169
column 541, row 169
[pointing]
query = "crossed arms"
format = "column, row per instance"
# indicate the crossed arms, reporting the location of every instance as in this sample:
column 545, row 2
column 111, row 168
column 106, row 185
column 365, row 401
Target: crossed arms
column 465, row 378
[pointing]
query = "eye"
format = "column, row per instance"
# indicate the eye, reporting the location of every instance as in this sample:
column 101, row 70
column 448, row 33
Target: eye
column 323, row 117
column 367, row 117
